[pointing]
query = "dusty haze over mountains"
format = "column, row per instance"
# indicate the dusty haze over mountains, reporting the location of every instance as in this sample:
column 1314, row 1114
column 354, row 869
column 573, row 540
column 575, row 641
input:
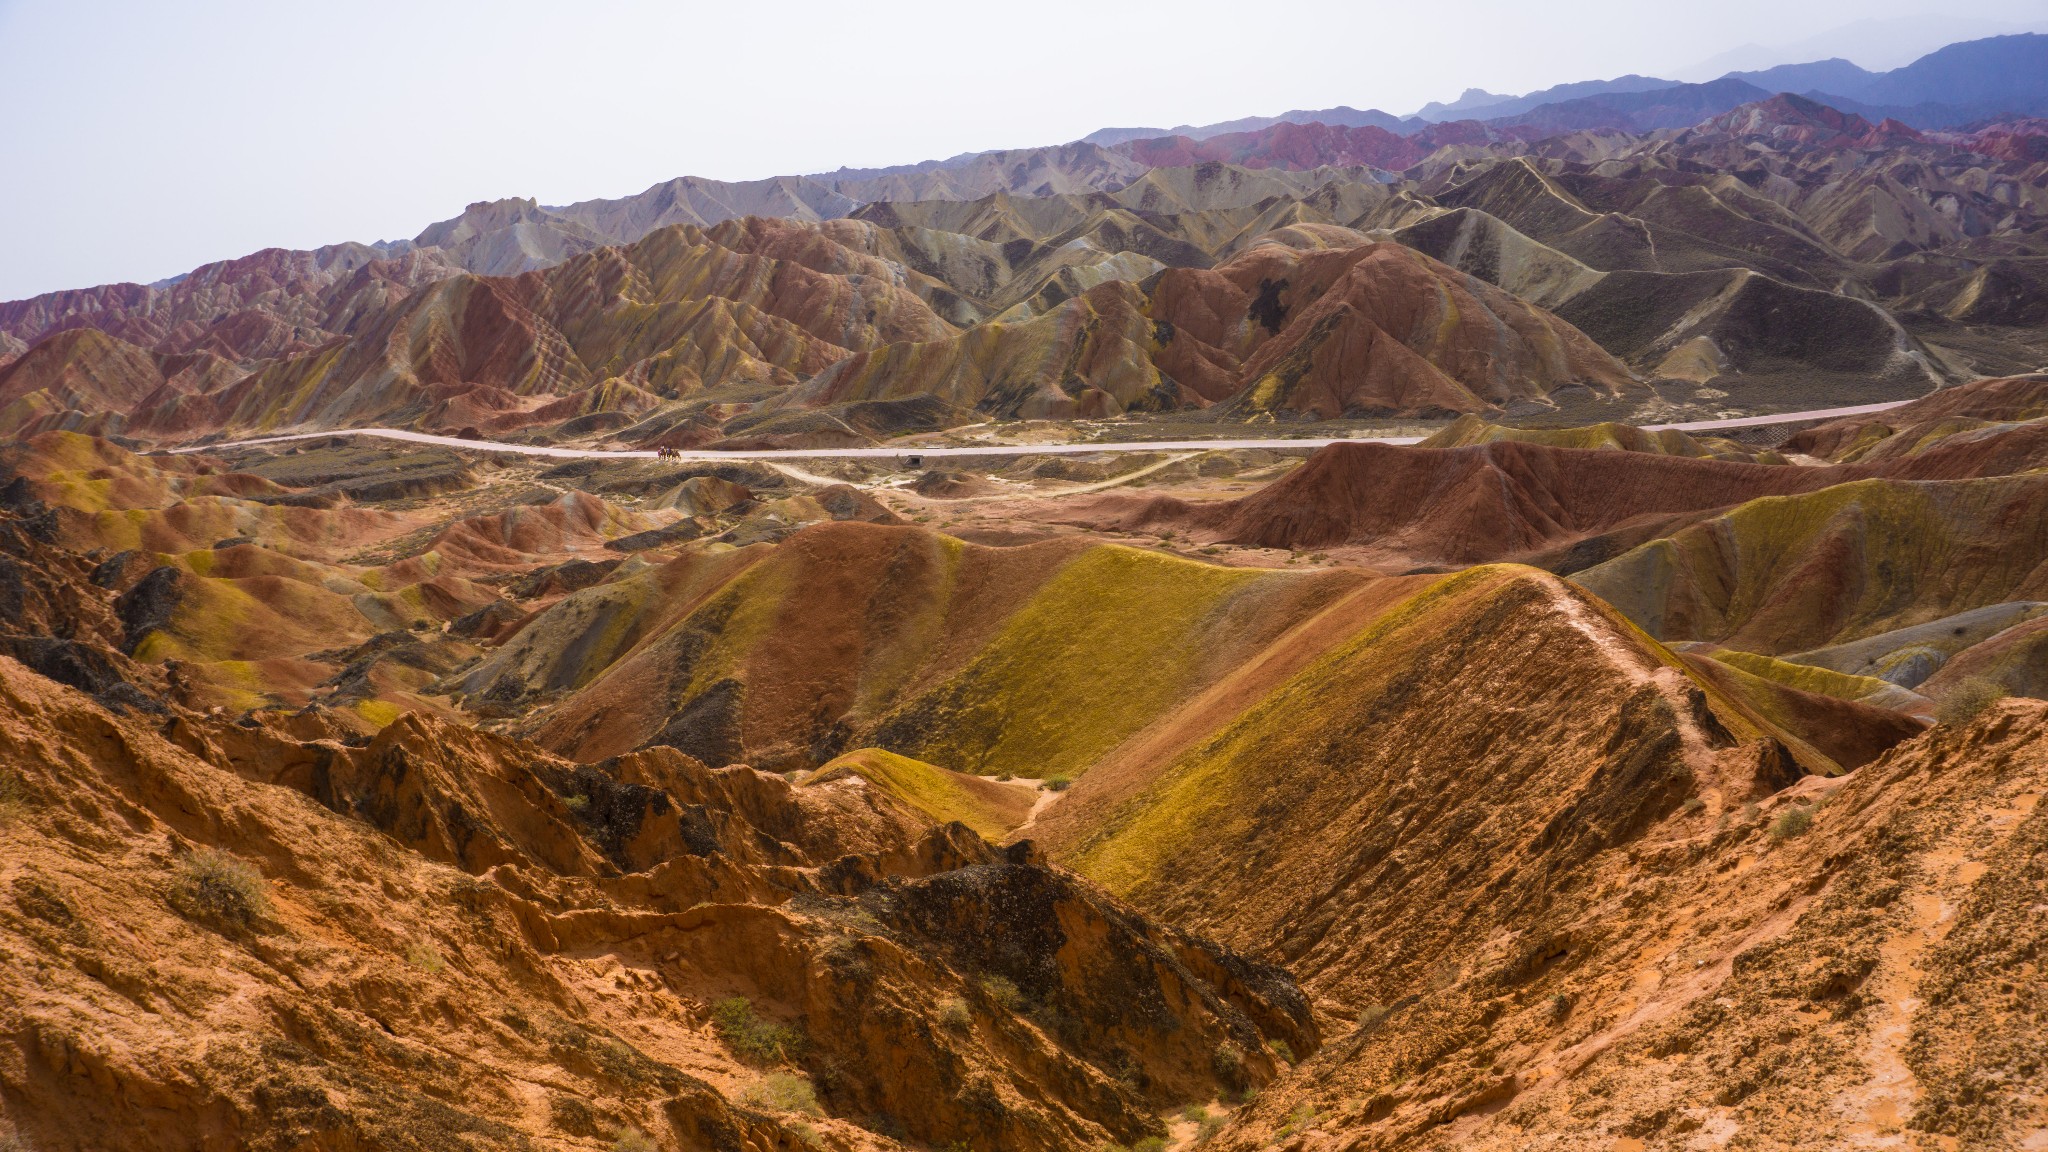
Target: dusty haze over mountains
column 1516, row 623
column 242, row 138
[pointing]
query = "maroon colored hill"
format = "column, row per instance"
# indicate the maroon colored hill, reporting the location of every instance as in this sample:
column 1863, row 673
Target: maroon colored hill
column 1507, row 499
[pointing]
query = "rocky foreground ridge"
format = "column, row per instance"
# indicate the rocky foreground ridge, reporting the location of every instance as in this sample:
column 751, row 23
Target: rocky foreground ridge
column 227, row 935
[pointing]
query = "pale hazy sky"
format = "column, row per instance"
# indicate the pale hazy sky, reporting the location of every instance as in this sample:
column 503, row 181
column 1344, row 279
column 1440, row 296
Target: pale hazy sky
column 139, row 138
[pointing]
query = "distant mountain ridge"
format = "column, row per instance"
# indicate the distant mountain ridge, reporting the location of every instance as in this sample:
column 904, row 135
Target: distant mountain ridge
column 1834, row 75
column 1339, row 117
column 1967, row 81
column 1995, row 78
column 1678, row 106
column 1475, row 101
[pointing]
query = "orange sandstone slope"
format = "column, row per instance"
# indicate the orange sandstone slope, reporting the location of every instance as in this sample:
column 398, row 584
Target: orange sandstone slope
column 217, row 935
column 1852, row 964
column 1552, row 886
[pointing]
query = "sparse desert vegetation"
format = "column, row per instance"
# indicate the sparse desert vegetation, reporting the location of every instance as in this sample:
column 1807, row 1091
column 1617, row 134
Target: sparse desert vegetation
column 1968, row 699
column 1792, row 822
column 782, row 1092
column 219, row 889
column 754, row 1039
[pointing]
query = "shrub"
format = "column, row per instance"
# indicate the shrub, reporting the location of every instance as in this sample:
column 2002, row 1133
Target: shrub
column 848, row 956
column 632, row 1139
column 1210, row 1127
column 1792, row 822
column 1297, row 1120
column 1560, row 1007
column 1692, row 804
column 806, row 1135
column 782, row 1092
column 1059, row 783
column 1970, row 696
column 1370, row 1015
column 1003, row 992
column 1194, row 1113
column 863, row 921
column 954, row 1016
column 1280, row 1049
column 1150, row 1144
column 423, row 955
column 13, row 800
column 1228, row 1060
column 752, row 1038
column 577, row 804
column 218, row 889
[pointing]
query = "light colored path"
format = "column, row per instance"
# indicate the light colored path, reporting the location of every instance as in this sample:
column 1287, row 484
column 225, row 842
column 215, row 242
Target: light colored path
column 800, row 453
column 1097, row 486
column 1047, row 797
column 1781, row 418
column 987, row 450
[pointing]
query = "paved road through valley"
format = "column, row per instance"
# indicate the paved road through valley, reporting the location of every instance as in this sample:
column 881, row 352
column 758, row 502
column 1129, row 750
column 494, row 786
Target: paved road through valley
column 898, row 452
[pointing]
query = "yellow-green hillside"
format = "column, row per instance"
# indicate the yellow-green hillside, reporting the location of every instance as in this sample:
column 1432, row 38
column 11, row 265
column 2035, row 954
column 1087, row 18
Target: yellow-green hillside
column 1032, row 661
column 1808, row 678
column 989, row 807
column 1791, row 573
column 1110, row 642
column 253, row 618
column 1469, row 430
